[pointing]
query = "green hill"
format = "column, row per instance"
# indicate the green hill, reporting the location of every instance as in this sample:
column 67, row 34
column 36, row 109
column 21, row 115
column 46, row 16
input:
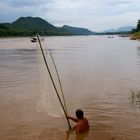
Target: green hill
column 32, row 23
column 28, row 26
column 136, row 32
column 77, row 30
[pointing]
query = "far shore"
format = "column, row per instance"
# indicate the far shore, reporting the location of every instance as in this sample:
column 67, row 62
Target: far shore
column 135, row 36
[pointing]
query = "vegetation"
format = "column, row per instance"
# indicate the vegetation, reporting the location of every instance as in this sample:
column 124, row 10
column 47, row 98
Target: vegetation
column 78, row 31
column 137, row 28
column 135, row 36
column 136, row 32
column 28, row 26
column 135, row 96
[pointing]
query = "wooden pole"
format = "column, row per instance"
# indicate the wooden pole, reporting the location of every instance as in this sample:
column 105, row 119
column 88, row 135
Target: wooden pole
column 53, row 81
column 59, row 82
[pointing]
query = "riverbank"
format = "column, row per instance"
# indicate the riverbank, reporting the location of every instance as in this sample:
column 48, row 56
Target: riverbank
column 135, row 36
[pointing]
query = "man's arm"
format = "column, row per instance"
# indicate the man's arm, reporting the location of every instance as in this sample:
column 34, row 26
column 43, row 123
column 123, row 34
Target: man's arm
column 73, row 119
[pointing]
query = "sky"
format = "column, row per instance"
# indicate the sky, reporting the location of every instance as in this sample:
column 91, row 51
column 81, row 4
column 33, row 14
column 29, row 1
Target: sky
column 96, row 15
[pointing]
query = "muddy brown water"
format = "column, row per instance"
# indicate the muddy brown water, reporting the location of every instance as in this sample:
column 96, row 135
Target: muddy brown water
column 97, row 74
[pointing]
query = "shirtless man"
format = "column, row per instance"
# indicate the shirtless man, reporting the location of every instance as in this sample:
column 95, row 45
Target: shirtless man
column 82, row 123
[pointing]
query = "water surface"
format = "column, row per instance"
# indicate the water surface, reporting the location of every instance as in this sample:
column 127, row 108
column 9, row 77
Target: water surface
column 97, row 74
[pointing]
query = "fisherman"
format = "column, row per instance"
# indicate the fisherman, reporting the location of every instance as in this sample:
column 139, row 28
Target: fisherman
column 82, row 123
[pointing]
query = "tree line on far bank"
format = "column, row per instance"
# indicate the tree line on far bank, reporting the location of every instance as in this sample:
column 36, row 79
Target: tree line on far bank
column 137, row 29
column 28, row 26
column 136, row 32
column 5, row 31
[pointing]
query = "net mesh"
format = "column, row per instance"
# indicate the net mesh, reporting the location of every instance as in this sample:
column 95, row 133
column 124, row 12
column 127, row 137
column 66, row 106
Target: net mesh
column 48, row 99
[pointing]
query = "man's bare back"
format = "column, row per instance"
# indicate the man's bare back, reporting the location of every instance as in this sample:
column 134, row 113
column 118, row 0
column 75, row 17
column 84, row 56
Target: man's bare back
column 82, row 123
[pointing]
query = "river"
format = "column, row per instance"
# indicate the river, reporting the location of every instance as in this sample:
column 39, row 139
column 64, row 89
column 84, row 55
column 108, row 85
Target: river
column 97, row 74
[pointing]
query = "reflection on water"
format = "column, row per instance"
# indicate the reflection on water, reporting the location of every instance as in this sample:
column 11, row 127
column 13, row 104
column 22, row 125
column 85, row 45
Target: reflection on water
column 138, row 54
column 97, row 74
column 52, row 133
column 70, row 135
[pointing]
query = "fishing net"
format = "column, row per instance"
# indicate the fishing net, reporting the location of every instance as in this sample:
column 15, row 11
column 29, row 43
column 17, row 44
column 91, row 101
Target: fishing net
column 49, row 83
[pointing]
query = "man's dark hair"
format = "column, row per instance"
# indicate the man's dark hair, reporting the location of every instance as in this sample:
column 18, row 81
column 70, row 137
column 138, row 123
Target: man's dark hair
column 79, row 114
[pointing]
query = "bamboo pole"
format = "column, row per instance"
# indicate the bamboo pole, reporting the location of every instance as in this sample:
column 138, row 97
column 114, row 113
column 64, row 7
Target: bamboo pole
column 59, row 82
column 53, row 81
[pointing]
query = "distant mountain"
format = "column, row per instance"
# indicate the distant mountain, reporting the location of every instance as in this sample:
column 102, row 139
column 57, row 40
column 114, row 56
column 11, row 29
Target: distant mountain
column 36, row 24
column 77, row 30
column 31, row 23
column 121, row 29
column 28, row 26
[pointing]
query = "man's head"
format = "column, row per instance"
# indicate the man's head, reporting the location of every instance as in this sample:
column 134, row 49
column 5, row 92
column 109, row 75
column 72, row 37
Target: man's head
column 79, row 114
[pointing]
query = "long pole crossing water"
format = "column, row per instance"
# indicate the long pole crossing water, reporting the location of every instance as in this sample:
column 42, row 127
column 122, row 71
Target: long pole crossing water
column 65, row 112
column 59, row 82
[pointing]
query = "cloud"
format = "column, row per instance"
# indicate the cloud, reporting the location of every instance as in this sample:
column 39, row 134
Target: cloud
column 96, row 14
column 22, row 3
column 118, row 2
column 9, row 13
column 10, row 10
column 93, row 14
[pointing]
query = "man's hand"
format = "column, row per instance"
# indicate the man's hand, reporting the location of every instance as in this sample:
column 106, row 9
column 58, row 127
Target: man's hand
column 68, row 117
column 73, row 119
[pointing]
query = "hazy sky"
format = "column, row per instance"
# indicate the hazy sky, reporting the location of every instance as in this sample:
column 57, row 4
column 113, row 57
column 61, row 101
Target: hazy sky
column 96, row 15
